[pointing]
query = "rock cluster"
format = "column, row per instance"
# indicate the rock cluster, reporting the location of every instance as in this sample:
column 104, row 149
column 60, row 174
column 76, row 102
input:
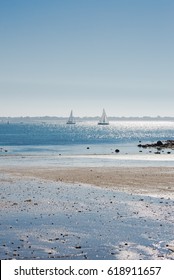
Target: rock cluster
column 169, row 144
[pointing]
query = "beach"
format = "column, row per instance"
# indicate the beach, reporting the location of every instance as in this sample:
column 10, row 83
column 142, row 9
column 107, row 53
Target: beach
column 141, row 180
column 86, row 192
column 87, row 212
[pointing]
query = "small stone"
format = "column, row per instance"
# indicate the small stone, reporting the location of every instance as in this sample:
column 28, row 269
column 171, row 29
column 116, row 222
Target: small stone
column 78, row 247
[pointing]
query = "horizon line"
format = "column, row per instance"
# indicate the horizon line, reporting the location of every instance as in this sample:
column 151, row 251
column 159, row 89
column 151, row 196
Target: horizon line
column 85, row 117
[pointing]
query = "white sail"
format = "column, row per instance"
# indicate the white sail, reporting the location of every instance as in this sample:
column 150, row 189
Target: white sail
column 71, row 119
column 103, row 119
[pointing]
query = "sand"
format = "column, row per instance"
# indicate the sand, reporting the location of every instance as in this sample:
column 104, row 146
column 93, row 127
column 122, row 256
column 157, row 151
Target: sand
column 151, row 180
column 86, row 213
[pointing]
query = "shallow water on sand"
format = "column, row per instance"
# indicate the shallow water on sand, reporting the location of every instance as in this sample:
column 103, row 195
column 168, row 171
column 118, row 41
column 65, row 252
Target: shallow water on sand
column 87, row 159
column 42, row 220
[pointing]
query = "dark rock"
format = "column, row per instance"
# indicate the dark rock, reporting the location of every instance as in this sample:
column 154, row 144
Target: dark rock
column 27, row 200
column 159, row 143
column 78, row 247
column 117, row 150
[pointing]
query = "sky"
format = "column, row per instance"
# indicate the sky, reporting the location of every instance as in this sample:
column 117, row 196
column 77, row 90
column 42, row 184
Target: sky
column 86, row 55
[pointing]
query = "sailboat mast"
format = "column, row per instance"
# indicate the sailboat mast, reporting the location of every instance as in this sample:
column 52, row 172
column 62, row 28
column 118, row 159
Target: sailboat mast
column 71, row 119
column 103, row 120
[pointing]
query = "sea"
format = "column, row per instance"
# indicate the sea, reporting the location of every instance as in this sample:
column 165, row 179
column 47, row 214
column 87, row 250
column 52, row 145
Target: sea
column 85, row 143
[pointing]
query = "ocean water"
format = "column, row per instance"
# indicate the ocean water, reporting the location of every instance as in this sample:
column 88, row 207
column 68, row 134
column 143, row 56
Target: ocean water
column 85, row 140
column 58, row 133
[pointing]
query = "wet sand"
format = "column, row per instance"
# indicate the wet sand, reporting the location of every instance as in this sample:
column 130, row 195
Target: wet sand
column 86, row 213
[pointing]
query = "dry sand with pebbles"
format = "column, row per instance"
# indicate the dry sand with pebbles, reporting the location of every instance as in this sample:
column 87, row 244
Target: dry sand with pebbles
column 153, row 180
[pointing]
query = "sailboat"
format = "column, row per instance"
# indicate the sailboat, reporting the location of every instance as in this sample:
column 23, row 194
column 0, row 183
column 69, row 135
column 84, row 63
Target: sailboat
column 71, row 119
column 103, row 119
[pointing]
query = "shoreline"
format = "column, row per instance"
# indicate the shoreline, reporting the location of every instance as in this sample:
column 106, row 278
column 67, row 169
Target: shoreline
column 141, row 180
column 86, row 213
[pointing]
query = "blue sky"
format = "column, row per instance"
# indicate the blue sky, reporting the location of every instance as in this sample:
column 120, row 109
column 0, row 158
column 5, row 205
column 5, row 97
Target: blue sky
column 58, row 55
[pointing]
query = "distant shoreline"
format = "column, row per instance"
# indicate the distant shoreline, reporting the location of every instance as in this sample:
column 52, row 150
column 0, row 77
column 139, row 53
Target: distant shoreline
column 81, row 119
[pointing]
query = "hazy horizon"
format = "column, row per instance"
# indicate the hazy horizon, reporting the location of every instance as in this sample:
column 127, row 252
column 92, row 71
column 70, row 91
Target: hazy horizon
column 86, row 117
